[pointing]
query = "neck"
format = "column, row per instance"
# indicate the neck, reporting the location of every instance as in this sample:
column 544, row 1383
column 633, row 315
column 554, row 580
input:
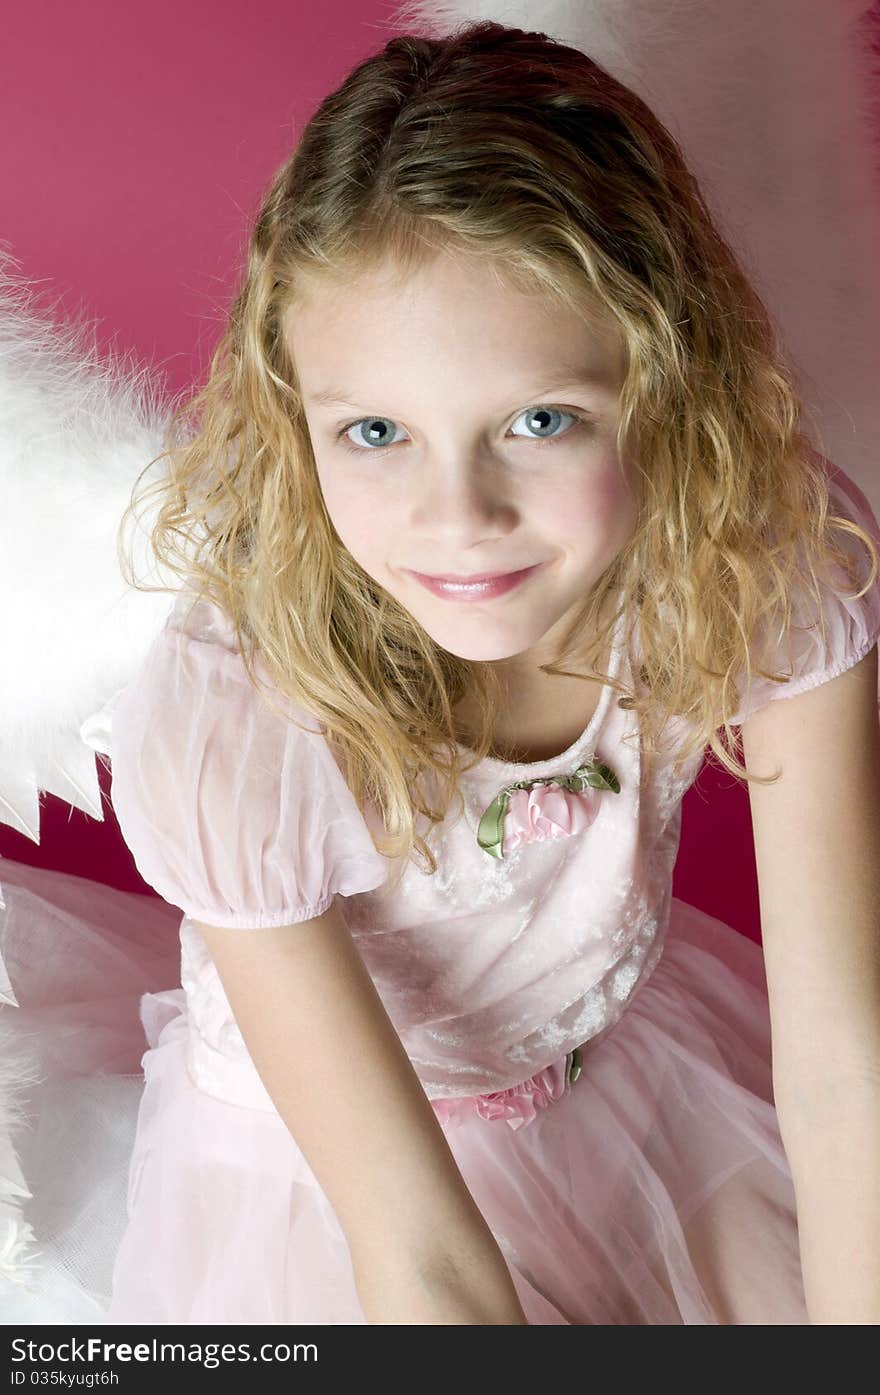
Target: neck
column 542, row 714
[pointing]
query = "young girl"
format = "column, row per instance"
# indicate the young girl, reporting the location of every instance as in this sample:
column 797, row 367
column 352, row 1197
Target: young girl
column 494, row 512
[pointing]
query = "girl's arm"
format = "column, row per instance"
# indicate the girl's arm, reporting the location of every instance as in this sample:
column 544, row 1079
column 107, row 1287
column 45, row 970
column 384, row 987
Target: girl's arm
column 337, row 1072
column 817, row 847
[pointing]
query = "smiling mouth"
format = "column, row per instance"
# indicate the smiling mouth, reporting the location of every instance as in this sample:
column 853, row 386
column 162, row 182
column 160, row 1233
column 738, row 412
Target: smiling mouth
column 472, row 580
column 474, row 588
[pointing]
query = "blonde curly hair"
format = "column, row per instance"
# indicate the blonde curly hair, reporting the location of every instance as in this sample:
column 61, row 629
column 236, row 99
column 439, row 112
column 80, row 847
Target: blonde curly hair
column 508, row 147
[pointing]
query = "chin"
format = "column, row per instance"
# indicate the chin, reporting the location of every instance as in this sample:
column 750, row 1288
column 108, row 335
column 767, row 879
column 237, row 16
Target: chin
column 477, row 647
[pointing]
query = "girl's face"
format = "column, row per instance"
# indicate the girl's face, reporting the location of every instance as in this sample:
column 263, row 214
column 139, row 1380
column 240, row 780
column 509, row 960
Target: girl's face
column 461, row 429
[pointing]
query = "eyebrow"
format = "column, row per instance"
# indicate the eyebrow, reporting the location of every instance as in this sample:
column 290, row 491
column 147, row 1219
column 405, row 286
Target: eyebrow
column 339, row 397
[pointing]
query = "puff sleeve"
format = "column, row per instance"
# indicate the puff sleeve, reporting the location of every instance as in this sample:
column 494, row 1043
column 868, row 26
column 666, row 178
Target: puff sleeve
column 852, row 627
column 231, row 812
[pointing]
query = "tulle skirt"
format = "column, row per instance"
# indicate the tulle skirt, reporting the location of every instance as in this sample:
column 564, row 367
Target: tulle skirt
column 653, row 1189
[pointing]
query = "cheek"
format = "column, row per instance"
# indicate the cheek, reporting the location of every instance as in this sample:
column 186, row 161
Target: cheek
column 595, row 510
column 357, row 513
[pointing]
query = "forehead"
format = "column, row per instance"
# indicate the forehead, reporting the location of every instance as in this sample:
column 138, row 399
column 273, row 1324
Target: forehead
column 450, row 314
column 456, row 282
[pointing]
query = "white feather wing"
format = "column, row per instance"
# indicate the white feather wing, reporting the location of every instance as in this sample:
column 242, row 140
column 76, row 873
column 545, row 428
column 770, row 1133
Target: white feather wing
column 74, row 435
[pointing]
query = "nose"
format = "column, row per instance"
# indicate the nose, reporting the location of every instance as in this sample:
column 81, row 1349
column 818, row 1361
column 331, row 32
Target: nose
column 462, row 503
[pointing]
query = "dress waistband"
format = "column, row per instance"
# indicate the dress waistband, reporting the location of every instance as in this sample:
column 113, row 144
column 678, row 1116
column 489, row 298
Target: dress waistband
column 519, row 1104
column 236, row 1080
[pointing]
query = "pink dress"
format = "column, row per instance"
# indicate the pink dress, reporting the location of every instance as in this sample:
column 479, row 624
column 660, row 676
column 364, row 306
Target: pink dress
column 597, row 1050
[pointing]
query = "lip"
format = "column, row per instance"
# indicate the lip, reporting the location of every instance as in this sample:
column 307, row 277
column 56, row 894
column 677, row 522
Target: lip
column 474, row 588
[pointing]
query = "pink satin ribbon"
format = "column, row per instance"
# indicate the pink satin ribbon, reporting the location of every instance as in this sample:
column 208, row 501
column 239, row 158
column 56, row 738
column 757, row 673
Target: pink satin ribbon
column 520, row 1103
column 547, row 811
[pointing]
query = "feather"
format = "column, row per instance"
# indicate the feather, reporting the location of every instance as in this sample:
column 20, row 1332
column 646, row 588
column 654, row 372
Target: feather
column 74, row 435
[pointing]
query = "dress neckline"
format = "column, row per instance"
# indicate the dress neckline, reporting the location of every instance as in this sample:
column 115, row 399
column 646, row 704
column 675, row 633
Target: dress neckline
column 531, row 770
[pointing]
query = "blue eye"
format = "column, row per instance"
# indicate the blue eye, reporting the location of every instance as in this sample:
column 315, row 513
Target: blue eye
column 377, row 438
column 550, row 412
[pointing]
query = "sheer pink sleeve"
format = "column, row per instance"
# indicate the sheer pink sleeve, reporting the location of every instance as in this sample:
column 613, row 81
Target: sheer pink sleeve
column 231, row 812
column 852, row 627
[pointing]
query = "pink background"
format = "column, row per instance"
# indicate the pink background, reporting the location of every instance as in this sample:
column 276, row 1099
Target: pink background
column 137, row 141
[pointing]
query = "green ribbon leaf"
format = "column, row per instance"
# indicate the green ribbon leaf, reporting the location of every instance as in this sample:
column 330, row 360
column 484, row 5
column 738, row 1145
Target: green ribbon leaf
column 595, row 774
column 490, row 834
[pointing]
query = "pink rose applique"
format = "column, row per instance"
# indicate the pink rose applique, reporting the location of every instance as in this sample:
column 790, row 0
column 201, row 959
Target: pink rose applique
column 516, row 1106
column 530, row 811
column 547, row 811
